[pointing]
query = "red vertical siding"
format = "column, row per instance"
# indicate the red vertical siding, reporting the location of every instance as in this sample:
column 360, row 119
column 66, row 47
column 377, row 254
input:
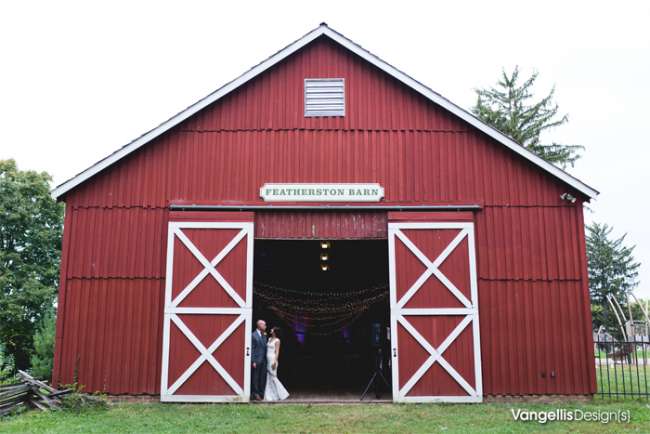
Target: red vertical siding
column 530, row 244
column 111, row 300
column 320, row 225
column 112, row 337
column 412, row 166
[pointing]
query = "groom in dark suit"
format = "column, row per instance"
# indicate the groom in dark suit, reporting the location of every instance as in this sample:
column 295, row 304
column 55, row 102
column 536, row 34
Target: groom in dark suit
column 258, row 360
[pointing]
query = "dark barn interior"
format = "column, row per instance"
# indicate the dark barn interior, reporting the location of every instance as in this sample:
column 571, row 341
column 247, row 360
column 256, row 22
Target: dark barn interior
column 325, row 296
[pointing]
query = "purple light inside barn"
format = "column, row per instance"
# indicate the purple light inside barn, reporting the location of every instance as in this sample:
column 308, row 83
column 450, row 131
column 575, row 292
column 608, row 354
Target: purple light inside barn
column 299, row 328
column 346, row 334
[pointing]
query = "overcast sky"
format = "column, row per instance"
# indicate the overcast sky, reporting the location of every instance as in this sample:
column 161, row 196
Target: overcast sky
column 80, row 79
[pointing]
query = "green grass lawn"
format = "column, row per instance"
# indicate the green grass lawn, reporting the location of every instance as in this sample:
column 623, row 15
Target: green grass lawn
column 389, row 418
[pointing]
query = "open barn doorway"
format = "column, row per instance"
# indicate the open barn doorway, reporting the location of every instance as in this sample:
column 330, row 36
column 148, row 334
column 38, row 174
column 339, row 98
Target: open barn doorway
column 331, row 301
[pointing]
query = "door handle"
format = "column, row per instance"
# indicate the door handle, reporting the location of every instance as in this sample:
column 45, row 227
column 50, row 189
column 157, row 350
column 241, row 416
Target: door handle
column 248, row 351
column 394, row 352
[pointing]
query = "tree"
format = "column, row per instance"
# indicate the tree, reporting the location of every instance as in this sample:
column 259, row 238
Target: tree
column 43, row 356
column 509, row 108
column 612, row 270
column 30, row 244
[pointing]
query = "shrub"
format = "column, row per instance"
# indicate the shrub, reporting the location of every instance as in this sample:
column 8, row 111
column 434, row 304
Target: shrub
column 77, row 401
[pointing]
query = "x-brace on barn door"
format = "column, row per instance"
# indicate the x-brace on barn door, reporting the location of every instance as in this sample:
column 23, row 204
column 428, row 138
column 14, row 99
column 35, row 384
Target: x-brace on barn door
column 208, row 301
column 434, row 310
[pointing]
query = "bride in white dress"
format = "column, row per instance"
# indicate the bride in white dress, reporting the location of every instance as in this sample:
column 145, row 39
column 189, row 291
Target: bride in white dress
column 274, row 390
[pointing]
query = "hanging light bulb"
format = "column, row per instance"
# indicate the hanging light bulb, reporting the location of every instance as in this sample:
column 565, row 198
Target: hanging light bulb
column 324, row 267
column 324, row 257
column 325, row 244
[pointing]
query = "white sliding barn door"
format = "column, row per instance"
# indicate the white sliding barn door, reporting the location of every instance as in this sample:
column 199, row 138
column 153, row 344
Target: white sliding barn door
column 434, row 311
column 208, row 301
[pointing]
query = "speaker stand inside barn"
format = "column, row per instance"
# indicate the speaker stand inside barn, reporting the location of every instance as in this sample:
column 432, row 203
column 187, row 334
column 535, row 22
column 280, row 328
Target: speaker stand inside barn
column 374, row 380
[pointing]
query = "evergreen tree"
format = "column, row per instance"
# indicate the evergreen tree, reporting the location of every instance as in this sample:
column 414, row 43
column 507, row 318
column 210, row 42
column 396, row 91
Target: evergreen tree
column 30, row 244
column 509, row 107
column 612, row 270
column 43, row 355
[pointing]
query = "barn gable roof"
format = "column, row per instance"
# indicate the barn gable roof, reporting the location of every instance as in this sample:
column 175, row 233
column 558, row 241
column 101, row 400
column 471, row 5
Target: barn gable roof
column 321, row 30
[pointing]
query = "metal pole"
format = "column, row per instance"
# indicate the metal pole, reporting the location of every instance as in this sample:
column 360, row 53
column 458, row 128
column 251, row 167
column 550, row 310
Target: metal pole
column 618, row 318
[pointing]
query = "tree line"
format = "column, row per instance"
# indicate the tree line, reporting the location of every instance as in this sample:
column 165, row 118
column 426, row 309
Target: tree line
column 31, row 223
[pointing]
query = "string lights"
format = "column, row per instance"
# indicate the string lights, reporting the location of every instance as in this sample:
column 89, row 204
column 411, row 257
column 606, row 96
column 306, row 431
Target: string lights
column 322, row 312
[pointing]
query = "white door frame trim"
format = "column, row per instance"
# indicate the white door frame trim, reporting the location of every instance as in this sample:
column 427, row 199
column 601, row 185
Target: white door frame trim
column 469, row 310
column 243, row 312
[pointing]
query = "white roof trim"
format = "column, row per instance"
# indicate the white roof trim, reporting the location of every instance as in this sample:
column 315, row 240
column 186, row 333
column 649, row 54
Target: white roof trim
column 323, row 29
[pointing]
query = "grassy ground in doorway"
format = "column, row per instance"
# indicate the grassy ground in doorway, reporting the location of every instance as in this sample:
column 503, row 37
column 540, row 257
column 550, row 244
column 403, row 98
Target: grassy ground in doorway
column 388, row 418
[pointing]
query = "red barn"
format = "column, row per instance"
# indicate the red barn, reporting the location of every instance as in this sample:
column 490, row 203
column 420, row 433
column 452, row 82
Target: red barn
column 328, row 192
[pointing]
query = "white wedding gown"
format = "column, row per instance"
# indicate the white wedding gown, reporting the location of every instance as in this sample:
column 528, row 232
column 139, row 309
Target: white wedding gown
column 274, row 390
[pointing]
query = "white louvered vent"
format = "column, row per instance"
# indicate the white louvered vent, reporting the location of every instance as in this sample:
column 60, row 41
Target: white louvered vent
column 324, row 97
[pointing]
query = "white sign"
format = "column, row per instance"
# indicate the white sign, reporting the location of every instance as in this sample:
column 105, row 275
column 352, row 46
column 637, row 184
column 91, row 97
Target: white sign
column 322, row 192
